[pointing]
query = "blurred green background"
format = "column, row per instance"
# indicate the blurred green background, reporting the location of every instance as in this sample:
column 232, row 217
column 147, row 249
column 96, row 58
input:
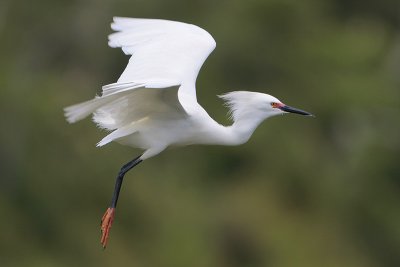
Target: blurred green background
column 302, row 192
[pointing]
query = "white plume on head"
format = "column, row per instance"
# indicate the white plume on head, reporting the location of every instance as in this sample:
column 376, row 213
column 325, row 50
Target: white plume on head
column 243, row 104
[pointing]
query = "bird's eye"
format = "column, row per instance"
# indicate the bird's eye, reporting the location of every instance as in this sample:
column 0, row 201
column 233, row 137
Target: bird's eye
column 274, row 104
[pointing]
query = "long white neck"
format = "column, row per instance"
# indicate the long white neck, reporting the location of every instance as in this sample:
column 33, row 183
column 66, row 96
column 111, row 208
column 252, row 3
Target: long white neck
column 242, row 129
column 248, row 110
column 236, row 134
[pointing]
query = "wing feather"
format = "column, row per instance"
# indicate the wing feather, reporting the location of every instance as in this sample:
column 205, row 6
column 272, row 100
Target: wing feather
column 158, row 80
column 164, row 53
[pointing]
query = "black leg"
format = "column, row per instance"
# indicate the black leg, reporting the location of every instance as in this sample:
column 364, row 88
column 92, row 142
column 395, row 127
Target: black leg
column 118, row 182
column 108, row 216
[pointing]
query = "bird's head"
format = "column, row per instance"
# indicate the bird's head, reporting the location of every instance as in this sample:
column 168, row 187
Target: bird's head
column 243, row 104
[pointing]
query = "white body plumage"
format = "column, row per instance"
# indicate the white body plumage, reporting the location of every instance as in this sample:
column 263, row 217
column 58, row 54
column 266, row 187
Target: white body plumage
column 153, row 104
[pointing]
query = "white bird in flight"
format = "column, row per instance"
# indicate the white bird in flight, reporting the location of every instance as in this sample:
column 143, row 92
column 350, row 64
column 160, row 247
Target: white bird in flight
column 153, row 104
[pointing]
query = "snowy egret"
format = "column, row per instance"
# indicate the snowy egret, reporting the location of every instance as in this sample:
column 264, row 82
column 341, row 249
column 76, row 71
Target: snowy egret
column 153, row 104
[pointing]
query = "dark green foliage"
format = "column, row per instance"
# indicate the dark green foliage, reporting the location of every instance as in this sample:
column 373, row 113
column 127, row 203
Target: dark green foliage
column 321, row 191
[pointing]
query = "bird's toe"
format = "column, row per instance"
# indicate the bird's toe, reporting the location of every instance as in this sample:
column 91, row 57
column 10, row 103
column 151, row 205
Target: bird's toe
column 106, row 223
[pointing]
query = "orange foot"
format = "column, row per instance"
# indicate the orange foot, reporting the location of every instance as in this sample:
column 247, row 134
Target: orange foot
column 106, row 223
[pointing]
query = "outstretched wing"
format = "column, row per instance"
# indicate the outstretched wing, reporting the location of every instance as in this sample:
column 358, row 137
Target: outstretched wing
column 164, row 53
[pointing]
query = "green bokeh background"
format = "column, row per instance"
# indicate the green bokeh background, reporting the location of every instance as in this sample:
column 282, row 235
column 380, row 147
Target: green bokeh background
column 302, row 192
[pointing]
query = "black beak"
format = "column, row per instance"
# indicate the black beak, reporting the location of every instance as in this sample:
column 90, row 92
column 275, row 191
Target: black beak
column 295, row 110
